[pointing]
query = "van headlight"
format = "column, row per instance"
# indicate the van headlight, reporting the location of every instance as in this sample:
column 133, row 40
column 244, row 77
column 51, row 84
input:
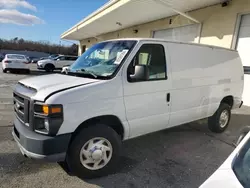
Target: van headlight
column 48, row 118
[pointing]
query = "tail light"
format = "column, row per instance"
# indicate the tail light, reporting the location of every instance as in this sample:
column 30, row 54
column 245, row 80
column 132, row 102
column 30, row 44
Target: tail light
column 6, row 61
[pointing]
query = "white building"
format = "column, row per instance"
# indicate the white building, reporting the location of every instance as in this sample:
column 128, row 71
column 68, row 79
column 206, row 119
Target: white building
column 217, row 22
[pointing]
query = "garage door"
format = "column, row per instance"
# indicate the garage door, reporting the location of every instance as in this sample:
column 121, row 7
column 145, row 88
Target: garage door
column 243, row 46
column 188, row 33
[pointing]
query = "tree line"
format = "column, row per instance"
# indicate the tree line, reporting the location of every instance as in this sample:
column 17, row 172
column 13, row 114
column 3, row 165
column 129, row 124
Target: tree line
column 41, row 46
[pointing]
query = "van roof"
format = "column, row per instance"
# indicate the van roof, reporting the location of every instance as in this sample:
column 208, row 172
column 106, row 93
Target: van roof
column 177, row 42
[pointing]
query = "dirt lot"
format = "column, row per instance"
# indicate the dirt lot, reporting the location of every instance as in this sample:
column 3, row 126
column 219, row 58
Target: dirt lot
column 184, row 156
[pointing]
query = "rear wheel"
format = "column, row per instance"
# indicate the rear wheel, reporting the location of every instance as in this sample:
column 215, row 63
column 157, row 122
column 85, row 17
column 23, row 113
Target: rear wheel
column 49, row 68
column 220, row 120
column 94, row 152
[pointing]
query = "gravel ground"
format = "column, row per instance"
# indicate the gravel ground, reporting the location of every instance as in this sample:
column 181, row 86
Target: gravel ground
column 183, row 156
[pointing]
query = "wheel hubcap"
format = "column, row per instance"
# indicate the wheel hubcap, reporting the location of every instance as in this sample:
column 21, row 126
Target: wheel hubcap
column 96, row 153
column 224, row 117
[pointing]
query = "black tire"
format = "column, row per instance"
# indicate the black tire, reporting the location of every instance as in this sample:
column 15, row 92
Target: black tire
column 93, row 131
column 214, row 121
column 4, row 71
column 49, row 68
column 243, row 133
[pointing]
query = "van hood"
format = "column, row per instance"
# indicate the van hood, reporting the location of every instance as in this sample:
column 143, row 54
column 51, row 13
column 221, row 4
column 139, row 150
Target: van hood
column 42, row 86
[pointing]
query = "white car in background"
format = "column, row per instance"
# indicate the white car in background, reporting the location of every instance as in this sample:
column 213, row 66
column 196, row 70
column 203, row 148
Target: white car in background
column 49, row 65
column 235, row 171
column 15, row 62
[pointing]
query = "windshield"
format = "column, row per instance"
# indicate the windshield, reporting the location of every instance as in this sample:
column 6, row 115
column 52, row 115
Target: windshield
column 15, row 57
column 102, row 59
column 241, row 166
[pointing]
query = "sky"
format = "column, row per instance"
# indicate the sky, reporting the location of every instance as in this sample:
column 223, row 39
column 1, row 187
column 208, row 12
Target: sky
column 42, row 20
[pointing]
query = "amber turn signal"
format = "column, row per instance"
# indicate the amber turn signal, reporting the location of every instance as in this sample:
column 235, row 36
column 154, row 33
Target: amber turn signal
column 55, row 110
column 51, row 110
column 46, row 110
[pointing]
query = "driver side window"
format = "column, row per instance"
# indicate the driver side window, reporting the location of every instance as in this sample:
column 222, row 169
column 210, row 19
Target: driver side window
column 152, row 56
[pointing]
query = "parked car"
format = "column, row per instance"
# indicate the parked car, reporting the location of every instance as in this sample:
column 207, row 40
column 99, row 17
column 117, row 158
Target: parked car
column 49, row 57
column 28, row 59
column 122, row 89
column 53, row 56
column 234, row 172
column 35, row 60
column 15, row 62
column 49, row 65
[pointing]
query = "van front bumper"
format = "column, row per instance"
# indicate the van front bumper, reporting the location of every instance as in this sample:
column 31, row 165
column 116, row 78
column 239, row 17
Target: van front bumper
column 37, row 146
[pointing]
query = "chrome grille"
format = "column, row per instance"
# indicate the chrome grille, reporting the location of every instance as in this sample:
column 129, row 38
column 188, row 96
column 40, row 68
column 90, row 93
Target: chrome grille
column 21, row 108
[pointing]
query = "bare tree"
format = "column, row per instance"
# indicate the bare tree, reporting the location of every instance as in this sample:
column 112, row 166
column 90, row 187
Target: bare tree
column 41, row 46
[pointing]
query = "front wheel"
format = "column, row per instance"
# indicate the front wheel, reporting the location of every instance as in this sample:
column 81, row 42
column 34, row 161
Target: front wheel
column 4, row 71
column 220, row 120
column 94, row 152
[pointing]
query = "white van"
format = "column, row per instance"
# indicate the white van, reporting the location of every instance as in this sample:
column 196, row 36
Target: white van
column 122, row 89
column 58, row 62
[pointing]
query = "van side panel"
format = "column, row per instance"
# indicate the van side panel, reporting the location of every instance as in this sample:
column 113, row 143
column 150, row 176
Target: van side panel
column 227, row 74
column 201, row 77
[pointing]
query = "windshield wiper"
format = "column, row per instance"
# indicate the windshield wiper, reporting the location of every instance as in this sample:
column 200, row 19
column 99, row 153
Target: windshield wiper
column 87, row 72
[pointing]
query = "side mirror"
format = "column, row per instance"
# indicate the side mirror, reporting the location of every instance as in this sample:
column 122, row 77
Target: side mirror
column 58, row 59
column 141, row 73
column 65, row 70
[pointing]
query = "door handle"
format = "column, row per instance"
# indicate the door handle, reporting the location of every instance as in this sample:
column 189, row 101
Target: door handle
column 168, row 97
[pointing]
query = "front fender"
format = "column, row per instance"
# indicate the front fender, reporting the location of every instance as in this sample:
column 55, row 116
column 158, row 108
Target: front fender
column 77, row 113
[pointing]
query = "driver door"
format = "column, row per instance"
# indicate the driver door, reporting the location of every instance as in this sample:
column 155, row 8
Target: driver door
column 147, row 102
